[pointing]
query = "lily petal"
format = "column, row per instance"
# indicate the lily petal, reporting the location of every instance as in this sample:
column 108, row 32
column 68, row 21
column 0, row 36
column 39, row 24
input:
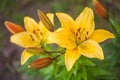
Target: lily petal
column 25, row 56
column 24, row 39
column 63, row 38
column 66, row 21
column 86, row 20
column 70, row 57
column 91, row 49
column 100, row 35
column 30, row 24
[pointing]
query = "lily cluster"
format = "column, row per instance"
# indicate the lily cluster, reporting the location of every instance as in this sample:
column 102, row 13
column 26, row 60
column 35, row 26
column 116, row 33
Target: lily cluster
column 77, row 37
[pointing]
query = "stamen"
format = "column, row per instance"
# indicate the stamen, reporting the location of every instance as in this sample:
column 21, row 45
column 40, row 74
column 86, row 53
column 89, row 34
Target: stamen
column 79, row 29
column 85, row 37
column 41, row 34
column 87, row 32
column 33, row 31
column 79, row 38
column 81, row 34
column 38, row 30
column 76, row 34
column 84, row 29
column 32, row 37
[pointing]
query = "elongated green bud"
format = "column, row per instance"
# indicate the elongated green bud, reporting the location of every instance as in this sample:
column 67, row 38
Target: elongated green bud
column 46, row 21
column 35, row 51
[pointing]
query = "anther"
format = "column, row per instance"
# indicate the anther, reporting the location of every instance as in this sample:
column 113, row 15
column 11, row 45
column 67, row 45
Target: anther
column 85, row 37
column 40, row 33
column 32, row 37
column 76, row 34
column 84, row 29
column 33, row 31
column 87, row 33
column 38, row 30
column 78, row 29
column 79, row 38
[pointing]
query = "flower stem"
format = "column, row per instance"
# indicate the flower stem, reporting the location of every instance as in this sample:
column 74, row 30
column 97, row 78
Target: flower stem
column 115, row 26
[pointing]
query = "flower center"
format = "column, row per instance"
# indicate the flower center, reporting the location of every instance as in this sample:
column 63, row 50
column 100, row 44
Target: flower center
column 81, row 35
column 37, row 33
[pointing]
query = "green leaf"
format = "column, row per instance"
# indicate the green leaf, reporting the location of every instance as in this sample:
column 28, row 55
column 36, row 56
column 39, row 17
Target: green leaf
column 61, row 73
column 48, row 47
column 86, row 62
column 84, row 73
column 98, row 71
column 115, row 26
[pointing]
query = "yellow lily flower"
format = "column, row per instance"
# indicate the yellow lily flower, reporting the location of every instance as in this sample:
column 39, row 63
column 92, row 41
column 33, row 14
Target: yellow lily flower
column 35, row 36
column 79, row 37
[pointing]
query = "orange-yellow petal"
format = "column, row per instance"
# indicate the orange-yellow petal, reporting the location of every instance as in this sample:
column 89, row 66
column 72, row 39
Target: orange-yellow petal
column 101, row 35
column 86, row 20
column 66, row 22
column 24, row 39
column 91, row 49
column 13, row 28
column 25, row 56
column 30, row 24
column 63, row 38
column 71, row 56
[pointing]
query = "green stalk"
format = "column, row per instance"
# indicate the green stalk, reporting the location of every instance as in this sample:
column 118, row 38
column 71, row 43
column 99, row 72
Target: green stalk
column 114, row 26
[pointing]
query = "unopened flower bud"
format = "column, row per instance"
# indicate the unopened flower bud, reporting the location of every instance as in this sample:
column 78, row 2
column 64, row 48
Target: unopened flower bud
column 35, row 50
column 100, row 9
column 40, row 63
column 13, row 28
column 46, row 21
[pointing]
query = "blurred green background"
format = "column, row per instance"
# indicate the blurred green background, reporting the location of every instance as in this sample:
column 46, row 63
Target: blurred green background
column 16, row 10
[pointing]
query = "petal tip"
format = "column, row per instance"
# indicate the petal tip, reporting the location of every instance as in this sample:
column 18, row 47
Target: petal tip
column 68, row 67
column 60, row 13
column 101, row 57
column 26, row 18
column 22, row 62
column 6, row 22
column 57, row 13
column 88, row 8
column 113, row 36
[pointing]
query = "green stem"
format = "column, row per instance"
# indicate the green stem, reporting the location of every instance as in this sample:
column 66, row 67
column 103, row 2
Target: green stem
column 55, row 52
column 50, row 53
column 114, row 26
column 56, row 57
column 62, row 51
